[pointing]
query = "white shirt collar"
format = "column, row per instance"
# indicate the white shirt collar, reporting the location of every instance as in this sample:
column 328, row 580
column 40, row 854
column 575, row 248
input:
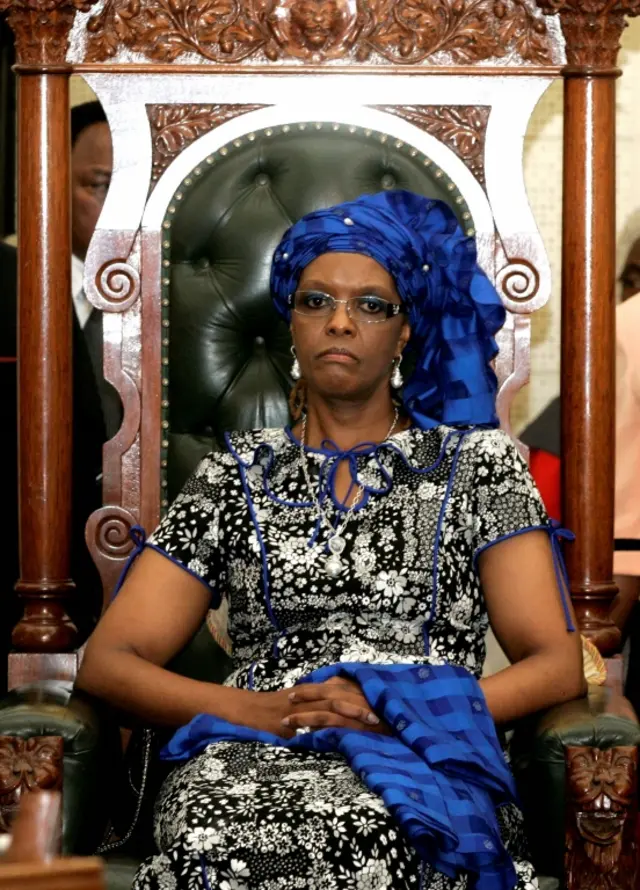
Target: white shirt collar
column 82, row 306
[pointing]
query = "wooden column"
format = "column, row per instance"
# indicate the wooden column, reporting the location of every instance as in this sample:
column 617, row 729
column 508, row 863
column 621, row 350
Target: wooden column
column 592, row 32
column 42, row 29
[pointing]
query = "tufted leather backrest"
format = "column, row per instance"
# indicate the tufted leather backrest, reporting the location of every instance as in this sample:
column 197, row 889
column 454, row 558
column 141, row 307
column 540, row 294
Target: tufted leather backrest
column 229, row 351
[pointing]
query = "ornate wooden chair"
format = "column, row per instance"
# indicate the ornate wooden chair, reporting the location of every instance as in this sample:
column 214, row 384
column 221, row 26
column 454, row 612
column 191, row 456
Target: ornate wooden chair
column 230, row 120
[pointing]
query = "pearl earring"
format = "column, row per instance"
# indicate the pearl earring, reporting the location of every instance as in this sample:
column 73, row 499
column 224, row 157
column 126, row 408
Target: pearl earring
column 396, row 377
column 296, row 373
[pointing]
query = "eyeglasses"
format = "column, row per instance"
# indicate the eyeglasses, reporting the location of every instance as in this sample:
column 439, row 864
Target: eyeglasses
column 367, row 308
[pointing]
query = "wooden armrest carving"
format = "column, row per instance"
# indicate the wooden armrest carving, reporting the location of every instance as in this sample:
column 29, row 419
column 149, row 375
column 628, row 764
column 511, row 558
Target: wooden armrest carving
column 31, row 764
column 601, row 813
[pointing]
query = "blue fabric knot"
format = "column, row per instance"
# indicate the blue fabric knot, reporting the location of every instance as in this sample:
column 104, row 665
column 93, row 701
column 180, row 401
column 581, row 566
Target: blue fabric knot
column 139, row 538
column 557, row 534
column 453, row 309
column 441, row 776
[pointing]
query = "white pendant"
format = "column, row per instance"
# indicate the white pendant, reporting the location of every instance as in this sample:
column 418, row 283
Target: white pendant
column 333, row 565
column 337, row 544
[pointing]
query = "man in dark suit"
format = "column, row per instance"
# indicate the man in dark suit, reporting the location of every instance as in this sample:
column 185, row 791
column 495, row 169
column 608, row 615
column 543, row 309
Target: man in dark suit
column 96, row 407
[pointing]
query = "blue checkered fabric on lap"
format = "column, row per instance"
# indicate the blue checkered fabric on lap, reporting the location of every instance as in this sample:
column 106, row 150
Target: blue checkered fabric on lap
column 441, row 775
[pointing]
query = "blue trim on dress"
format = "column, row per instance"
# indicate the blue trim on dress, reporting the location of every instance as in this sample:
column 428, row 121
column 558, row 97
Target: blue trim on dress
column 556, row 535
column 443, row 509
column 263, row 549
column 205, row 876
column 335, row 455
column 139, row 538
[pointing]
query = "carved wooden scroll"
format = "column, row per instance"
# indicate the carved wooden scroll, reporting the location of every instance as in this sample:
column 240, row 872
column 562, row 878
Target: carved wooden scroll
column 602, row 812
column 396, row 32
column 32, row 764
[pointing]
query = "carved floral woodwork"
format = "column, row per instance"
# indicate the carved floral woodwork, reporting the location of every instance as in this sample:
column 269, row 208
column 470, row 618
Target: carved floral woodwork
column 592, row 29
column 31, row 764
column 461, row 127
column 401, row 32
column 174, row 127
column 601, row 846
column 42, row 28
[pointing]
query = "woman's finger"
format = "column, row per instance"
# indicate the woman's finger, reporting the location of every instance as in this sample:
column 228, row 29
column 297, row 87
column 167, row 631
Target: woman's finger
column 320, row 720
column 357, row 709
column 321, row 691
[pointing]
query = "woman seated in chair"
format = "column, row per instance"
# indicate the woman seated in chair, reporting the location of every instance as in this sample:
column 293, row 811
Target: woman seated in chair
column 362, row 553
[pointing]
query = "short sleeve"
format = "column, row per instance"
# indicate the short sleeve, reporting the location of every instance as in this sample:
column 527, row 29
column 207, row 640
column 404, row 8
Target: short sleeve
column 505, row 500
column 190, row 532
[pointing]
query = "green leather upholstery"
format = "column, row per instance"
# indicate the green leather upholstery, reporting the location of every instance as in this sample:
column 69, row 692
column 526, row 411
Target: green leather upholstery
column 537, row 752
column 91, row 753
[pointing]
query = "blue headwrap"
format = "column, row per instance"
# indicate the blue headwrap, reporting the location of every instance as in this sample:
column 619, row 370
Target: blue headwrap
column 453, row 309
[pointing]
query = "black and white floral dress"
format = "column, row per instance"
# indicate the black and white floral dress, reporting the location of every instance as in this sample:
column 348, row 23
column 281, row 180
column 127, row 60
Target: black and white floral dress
column 250, row 816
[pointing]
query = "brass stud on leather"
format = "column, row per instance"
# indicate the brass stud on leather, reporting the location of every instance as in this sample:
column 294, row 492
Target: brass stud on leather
column 165, row 424
column 165, row 403
column 165, row 361
column 165, row 381
column 427, row 162
column 188, row 181
column 224, row 151
column 384, row 138
column 198, row 171
column 286, row 128
column 352, row 129
column 251, row 137
column 471, row 232
column 466, row 215
column 211, row 160
column 399, row 143
column 165, row 322
column 166, row 224
column 164, row 502
column 166, row 281
column 165, row 302
column 164, row 464
column 318, row 126
column 459, row 200
column 451, row 186
column 268, row 132
column 172, row 208
column 166, row 244
column 166, row 263
column 335, row 127
column 439, row 174
column 237, row 142
column 165, row 443
column 413, row 152
column 367, row 133
column 302, row 126
column 165, row 341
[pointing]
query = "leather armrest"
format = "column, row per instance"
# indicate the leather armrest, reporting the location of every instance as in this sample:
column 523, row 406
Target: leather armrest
column 91, row 754
column 602, row 719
